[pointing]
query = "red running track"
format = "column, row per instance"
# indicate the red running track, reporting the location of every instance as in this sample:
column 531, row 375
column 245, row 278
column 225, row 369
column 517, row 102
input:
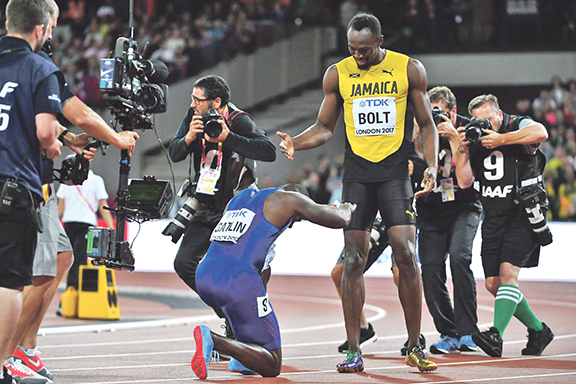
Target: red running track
column 311, row 321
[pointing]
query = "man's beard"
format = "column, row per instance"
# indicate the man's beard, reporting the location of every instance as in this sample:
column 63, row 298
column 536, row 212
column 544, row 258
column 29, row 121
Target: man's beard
column 39, row 45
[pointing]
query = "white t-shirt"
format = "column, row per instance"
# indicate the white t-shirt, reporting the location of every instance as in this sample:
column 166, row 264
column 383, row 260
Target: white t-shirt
column 81, row 202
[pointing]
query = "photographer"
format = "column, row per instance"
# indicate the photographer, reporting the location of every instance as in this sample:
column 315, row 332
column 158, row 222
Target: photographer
column 448, row 219
column 29, row 104
column 505, row 159
column 239, row 136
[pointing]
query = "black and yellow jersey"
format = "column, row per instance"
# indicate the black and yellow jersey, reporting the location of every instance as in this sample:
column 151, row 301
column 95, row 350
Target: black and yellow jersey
column 374, row 105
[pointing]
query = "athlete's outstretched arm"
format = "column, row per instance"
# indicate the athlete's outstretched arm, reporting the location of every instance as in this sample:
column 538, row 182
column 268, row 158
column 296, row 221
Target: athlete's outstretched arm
column 321, row 131
column 420, row 104
column 283, row 206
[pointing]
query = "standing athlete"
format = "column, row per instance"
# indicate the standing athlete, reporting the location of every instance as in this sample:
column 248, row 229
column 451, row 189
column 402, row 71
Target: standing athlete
column 374, row 86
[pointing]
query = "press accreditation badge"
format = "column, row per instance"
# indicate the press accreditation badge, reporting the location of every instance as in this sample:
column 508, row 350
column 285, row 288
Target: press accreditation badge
column 207, row 181
column 447, row 186
column 374, row 116
column 264, row 306
column 233, row 225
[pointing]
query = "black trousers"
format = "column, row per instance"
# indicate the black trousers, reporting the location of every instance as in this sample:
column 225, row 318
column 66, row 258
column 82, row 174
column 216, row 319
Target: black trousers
column 77, row 234
column 193, row 247
column 449, row 232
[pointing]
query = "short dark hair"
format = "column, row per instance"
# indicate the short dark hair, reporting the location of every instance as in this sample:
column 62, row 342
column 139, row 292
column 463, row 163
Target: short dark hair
column 479, row 101
column 214, row 86
column 23, row 16
column 296, row 188
column 442, row 93
column 365, row 20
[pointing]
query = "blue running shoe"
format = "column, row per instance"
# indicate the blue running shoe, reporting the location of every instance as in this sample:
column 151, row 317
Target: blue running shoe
column 446, row 344
column 236, row 366
column 353, row 363
column 466, row 344
column 202, row 356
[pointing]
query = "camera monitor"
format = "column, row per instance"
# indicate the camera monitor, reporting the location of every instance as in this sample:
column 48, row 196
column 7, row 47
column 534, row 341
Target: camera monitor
column 151, row 196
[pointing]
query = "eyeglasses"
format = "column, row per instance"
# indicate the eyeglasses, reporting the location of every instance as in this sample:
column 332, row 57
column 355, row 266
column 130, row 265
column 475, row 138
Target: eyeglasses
column 197, row 100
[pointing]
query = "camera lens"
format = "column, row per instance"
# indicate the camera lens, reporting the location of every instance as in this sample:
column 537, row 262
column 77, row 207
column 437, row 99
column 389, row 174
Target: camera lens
column 213, row 128
column 473, row 134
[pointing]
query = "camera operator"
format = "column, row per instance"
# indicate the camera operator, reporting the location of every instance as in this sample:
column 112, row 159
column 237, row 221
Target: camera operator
column 54, row 256
column 448, row 220
column 239, row 136
column 29, row 104
column 505, row 161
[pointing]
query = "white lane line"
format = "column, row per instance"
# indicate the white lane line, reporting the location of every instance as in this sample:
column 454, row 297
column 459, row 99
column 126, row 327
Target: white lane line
column 191, row 351
column 494, row 379
column 160, row 323
column 333, row 371
column 113, row 327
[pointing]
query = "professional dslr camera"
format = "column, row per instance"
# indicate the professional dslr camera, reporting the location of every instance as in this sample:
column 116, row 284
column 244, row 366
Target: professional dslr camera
column 132, row 86
column 474, row 129
column 534, row 200
column 202, row 192
column 211, row 122
column 438, row 112
column 75, row 168
column 184, row 216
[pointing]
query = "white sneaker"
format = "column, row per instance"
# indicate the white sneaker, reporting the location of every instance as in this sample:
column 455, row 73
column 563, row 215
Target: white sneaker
column 21, row 374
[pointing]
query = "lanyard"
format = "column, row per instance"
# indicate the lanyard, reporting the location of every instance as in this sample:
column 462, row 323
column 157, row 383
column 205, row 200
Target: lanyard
column 211, row 156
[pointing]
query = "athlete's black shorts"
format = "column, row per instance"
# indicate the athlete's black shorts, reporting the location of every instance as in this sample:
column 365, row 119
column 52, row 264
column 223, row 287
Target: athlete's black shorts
column 508, row 239
column 393, row 199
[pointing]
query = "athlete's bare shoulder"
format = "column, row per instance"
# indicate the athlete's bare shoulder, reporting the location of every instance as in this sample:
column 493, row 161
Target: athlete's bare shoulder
column 330, row 81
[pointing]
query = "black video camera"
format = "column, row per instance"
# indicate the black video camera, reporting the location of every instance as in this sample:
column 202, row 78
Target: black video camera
column 132, row 86
column 75, row 167
column 474, row 129
column 211, row 122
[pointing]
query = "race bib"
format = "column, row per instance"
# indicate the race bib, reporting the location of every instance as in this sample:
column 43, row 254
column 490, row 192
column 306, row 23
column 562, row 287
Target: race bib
column 264, row 306
column 233, row 225
column 374, row 116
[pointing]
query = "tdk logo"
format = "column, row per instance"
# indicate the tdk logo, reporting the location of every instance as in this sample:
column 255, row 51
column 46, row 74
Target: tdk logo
column 374, row 103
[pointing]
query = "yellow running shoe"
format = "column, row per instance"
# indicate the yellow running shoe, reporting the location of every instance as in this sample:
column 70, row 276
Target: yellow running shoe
column 417, row 358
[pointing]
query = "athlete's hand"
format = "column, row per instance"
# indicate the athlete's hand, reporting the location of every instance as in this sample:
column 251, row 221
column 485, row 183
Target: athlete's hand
column 428, row 182
column 286, row 145
column 350, row 208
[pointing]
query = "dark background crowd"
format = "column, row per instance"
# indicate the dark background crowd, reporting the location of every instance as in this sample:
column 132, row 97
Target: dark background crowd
column 190, row 36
